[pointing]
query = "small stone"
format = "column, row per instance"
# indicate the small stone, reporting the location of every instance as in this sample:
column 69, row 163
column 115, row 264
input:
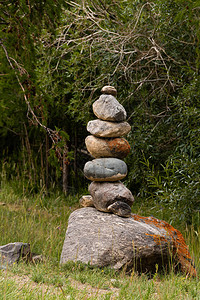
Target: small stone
column 109, row 109
column 105, row 169
column 86, row 201
column 101, row 128
column 112, row 280
column 12, row 252
column 105, row 194
column 38, row 258
column 98, row 147
column 120, row 208
column 109, row 90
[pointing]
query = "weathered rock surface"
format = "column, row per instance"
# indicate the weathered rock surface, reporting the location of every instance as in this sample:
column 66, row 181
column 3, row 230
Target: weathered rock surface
column 109, row 90
column 114, row 147
column 136, row 242
column 105, row 169
column 120, row 208
column 86, row 201
column 109, row 109
column 11, row 253
column 104, row 194
column 105, row 129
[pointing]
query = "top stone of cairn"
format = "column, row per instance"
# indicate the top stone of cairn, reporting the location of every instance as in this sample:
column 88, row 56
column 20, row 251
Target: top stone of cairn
column 109, row 90
column 107, row 108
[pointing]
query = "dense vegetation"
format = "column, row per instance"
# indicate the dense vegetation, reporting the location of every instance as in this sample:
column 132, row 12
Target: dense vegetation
column 56, row 56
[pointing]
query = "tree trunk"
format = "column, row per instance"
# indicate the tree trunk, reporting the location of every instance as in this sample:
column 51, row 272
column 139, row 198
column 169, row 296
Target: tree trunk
column 42, row 166
column 47, row 163
column 75, row 160
column 65, row 170
column 31, row 167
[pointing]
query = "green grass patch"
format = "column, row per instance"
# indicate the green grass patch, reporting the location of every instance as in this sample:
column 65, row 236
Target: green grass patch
column 42, row 222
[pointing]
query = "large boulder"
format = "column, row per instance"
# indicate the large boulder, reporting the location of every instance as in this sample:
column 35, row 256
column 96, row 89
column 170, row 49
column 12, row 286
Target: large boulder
column 105, row 129
column 114, row 147
column 137, row 242
column 105, row 169
column 109, row 109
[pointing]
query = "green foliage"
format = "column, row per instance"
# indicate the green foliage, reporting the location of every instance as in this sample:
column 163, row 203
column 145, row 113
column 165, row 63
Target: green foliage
column 148, row 50
column 24, row 105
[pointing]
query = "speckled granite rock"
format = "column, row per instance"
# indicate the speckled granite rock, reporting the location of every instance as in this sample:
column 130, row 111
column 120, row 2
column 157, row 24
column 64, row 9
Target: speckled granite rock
column 109, row 109
column 107, row 129
column 137, row 242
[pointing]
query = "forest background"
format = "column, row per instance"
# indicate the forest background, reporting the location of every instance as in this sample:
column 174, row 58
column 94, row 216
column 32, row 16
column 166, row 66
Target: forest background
column 55, row 56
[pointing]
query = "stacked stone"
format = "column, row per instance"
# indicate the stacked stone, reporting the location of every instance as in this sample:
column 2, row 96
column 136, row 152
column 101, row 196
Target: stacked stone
column 138, row 243
column 108, row 147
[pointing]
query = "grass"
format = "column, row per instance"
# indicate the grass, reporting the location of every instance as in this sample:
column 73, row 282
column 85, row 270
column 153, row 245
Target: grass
column 42, row 221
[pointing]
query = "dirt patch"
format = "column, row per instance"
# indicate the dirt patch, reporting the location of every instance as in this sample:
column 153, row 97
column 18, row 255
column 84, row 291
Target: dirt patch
column 95, row 292
column 24, row 281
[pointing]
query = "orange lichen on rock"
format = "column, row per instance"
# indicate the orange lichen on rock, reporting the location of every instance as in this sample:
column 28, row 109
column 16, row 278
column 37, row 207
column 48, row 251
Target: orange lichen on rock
column 180, row 250
column 158, row 239
column 120, row 146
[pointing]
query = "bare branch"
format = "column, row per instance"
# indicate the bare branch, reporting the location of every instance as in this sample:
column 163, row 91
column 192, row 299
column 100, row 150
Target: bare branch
column 131, row 50
column 52, row 134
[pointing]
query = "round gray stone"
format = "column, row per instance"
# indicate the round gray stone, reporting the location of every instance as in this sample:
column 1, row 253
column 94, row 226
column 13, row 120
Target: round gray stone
column 109, row 109
column 105, row 169
column 104, row 194
column 102, row 128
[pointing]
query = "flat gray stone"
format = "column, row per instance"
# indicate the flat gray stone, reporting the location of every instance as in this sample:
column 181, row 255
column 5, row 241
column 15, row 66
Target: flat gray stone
column 104, row 194
column 105, row 129
column 138, row 243
column 105, row 169
column 11, row 253
column 113, row 147
column 109, row 109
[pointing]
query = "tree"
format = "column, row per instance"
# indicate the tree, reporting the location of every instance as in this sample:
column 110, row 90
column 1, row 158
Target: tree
column 150, row 52
column 21, row 25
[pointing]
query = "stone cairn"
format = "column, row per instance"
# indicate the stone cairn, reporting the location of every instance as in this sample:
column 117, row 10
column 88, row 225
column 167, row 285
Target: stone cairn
column 108, row 147
column 117, row 239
